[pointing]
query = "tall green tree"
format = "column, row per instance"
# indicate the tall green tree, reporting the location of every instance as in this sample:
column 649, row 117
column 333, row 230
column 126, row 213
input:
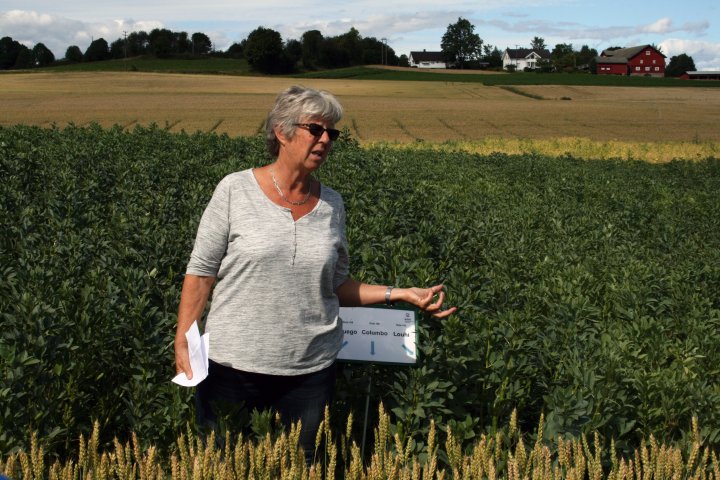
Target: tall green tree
column 9, row 51
column 563, row 57
column 680, row 64
column 160, row 42
column 97, row 51
column 538, row 43
column 181, row 43
column 201, row 44
column 461, row 44
column 138, row 43
column 492, row 55
column 235, row 50
column 118, row 48
column 293, row 51
column 351, row 42
column 311, row 45
column 586, row 55
column 73, row 54
column 25, row 58
column 42, row 56
column 377, row 52
column 264, row 51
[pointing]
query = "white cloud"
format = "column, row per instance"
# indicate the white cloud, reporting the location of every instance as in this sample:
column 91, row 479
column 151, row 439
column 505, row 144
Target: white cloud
column 571, row 30
column 57, row 32
column 661, row 26
column 705, row 54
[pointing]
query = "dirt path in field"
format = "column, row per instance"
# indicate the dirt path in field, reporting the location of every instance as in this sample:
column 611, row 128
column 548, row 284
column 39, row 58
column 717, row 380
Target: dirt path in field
column 379, row 110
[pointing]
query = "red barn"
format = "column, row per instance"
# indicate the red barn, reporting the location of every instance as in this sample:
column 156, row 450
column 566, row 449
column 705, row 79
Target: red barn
column 644, row 60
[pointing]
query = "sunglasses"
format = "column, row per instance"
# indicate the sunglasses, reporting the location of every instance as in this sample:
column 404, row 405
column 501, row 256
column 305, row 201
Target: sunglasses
column 317, row 130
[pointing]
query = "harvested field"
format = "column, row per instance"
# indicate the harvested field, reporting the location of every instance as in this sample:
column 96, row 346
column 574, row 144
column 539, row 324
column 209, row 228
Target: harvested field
column 376, row 111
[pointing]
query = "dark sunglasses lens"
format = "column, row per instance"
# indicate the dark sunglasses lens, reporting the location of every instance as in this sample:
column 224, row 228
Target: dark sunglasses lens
column 315, row 129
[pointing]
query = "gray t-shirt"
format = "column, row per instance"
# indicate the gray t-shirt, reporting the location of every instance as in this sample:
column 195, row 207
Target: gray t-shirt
column 274, row 309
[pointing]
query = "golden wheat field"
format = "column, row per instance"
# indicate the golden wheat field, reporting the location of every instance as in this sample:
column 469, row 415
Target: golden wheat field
column 671, row 122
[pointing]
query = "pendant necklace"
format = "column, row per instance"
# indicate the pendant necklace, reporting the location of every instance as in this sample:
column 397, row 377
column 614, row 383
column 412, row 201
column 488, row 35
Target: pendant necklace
column 282, row 195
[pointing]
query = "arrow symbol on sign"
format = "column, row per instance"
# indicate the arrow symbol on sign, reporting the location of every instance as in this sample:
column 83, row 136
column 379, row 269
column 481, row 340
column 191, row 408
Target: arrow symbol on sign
column 372, row 348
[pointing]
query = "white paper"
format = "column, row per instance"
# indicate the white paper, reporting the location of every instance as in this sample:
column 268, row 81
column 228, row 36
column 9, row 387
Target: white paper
column 198, row 347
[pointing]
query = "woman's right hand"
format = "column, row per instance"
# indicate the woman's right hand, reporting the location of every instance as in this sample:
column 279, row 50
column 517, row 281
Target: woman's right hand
column 194, row 296
column 182, row 357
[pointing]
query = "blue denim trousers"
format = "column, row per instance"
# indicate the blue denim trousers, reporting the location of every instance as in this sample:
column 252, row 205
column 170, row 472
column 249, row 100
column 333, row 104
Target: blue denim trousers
column 295, row 397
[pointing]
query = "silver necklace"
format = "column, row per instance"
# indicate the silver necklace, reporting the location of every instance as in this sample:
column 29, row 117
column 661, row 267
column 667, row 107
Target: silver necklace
column 279, row 190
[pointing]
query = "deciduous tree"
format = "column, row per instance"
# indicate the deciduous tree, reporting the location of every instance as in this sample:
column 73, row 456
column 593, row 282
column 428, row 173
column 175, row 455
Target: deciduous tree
column 585, row 56
column 264, row 50
column 461, row 44
column 73, row 54
column 42, row 56
column 9, row 51
column 538, row 43
column 97, row 51
column 680, row 64
column 492, row 56
column 311, row 44
column 235, row 50
column 563, row 57
column 201, row 44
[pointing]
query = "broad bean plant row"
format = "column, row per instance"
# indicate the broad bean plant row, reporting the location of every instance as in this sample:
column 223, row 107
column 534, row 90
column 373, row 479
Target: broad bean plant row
column 587, row 289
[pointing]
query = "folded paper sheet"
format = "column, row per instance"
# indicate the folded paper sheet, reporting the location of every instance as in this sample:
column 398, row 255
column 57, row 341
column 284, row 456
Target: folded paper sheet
column 198, row 347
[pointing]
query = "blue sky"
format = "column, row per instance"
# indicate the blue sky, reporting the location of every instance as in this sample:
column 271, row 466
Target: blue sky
column 691, row 27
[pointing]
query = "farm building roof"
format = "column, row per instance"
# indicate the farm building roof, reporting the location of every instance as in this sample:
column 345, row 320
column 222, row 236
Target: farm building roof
column 628, row 52
column 425, row 56
column 519, row 53
column 702, row 75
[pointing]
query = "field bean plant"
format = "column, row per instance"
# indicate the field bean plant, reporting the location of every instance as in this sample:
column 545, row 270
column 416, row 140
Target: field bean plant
column 587, row 289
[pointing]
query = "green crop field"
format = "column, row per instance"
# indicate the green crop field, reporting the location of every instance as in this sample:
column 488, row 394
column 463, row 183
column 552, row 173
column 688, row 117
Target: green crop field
column 586, row 280
column 587, row 289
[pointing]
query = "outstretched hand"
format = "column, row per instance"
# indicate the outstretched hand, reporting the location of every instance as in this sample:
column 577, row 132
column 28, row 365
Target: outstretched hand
column 429, row 300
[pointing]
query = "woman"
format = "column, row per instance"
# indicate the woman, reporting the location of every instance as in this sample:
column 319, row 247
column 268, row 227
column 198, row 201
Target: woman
column 272, row 244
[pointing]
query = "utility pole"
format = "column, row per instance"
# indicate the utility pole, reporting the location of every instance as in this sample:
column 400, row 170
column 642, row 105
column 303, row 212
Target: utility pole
column 125, row 43
column 383, row 51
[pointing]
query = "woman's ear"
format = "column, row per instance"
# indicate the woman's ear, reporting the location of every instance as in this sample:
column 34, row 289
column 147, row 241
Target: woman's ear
column 282, row 139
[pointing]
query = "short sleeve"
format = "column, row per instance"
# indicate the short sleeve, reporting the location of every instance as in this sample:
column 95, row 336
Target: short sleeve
column 211, row 240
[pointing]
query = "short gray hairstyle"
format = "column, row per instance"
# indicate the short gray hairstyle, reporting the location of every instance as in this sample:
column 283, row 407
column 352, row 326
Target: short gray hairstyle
column 294, row 104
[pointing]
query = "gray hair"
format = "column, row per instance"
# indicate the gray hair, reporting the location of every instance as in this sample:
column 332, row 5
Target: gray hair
column 294, row 104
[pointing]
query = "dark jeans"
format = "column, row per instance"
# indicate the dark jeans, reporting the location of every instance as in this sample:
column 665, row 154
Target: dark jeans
column 300, row 397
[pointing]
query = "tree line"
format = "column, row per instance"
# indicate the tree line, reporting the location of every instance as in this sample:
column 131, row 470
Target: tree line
column 264, row 49
column 267, row 52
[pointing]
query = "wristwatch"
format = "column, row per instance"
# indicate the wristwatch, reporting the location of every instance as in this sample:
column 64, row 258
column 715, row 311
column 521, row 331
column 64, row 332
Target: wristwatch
column 387, row 296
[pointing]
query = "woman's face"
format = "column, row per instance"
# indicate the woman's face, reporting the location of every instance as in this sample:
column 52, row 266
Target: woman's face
column 304, row 147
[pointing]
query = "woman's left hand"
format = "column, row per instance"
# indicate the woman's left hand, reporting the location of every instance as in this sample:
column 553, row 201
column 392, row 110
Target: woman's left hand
column 429, row 300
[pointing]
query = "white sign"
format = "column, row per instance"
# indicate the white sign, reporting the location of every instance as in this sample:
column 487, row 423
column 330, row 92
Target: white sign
column 378, row 335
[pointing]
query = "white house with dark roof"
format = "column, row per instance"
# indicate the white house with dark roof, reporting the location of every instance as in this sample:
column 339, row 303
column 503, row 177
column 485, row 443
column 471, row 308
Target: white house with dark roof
column 523, row 58
column 427, row 59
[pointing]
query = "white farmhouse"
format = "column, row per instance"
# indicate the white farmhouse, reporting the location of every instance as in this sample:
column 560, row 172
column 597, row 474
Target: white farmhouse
column 427, row 59
column 523, row 58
